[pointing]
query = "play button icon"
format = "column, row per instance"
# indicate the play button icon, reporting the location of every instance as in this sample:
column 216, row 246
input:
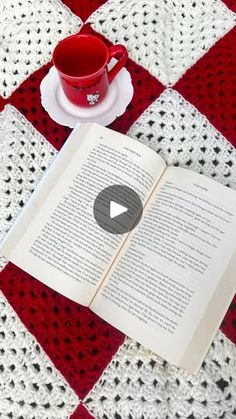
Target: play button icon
column 117, row 209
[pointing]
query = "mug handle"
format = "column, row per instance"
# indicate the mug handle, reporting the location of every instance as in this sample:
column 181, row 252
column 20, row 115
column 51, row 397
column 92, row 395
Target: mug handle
column 119, row 52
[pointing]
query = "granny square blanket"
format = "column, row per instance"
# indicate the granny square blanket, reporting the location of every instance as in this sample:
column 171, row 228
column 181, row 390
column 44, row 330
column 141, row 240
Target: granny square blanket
column 58, row 360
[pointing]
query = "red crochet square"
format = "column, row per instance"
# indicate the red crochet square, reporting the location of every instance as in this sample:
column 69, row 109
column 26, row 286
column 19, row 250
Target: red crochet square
column 79, row 343
column 27, row 99
column 81, row 413
column 228, row 325
column 146, row 90
column 84, row 9
column 231, row 4
column 2, row 103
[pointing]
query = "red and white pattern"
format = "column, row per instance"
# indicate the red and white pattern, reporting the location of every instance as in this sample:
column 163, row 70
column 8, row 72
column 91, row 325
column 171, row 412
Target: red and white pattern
column 58, row 360
column 29, row 32
column 29, row 381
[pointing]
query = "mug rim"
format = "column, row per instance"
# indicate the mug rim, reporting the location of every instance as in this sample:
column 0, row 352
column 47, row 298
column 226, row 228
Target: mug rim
column 96, row 73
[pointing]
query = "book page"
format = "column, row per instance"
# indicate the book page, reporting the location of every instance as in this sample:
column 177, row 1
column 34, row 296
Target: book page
column 159, row 288
column 56, row 239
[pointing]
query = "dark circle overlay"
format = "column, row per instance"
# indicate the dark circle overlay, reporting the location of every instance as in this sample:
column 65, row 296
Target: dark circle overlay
column 122, row 195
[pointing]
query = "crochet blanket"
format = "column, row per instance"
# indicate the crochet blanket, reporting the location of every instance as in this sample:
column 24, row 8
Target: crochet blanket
column 57, row 359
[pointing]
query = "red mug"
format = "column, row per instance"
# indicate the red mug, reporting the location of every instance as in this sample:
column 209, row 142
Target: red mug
column 81, row 62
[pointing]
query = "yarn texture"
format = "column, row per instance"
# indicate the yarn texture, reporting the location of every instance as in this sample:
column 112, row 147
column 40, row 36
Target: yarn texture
column 58, row 360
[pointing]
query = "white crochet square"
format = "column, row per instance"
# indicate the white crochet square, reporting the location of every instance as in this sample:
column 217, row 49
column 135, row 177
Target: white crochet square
column 29, row 31
column 24, row 157
column 167, row 36
column 176, row 130
column 139, row 384
column 31, row 387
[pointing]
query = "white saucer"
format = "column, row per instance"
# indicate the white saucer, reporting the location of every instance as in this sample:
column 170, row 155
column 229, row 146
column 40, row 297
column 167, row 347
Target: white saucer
column 66, row 113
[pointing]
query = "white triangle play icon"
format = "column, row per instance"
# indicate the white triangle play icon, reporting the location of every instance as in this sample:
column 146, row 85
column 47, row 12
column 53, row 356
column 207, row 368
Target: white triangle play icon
column 116, row 209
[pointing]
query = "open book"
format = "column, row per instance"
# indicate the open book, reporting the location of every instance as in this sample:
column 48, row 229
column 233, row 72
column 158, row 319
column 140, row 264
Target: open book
column 167, row 283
